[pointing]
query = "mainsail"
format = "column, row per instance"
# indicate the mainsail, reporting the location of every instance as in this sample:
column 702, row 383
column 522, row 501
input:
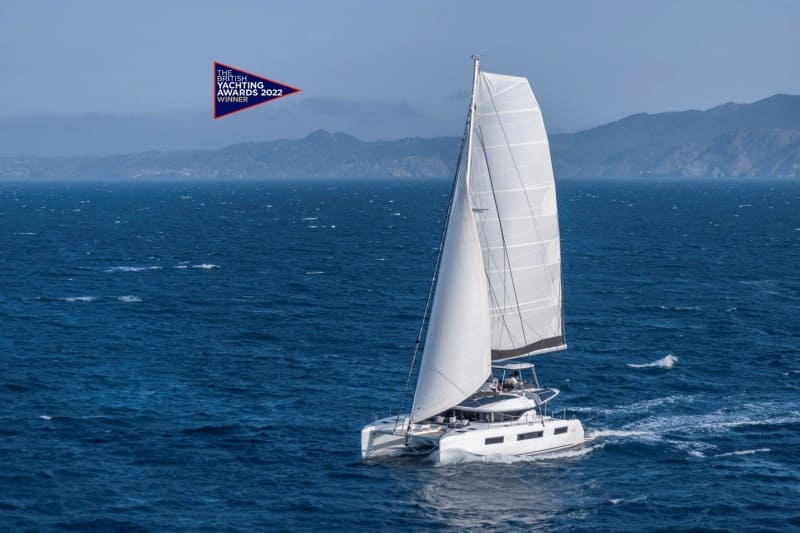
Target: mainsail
column 498, row 292
column 513, row 193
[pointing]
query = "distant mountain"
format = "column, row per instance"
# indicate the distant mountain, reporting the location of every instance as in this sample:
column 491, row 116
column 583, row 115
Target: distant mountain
column 319, row 155
column 737, row 140
column 761, row 139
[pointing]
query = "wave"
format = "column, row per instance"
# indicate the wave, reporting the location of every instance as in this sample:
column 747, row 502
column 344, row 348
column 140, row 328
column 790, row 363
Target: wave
column 79, row 299
column 314, row 272
column 131, row 268
column 641, row 406
column 129, row 299
column 617, row 501
column 744, row 452
column 681, row 308
column 620, row 433
column 668, row 361
column 712, row 423
column 206, row 266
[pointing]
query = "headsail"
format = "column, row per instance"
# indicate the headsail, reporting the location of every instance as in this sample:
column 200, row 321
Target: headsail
column 455, row 361
column 513, row 193
column 456, row 358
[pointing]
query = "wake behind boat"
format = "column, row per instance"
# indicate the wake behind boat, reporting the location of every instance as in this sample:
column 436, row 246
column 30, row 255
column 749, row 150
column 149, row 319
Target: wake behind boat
column 497, row 297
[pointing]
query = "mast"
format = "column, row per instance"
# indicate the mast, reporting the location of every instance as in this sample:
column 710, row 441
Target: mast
column 476, row 60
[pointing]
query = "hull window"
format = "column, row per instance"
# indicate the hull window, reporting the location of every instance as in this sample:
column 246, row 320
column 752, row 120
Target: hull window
column 493, row 440
column 560, row 431
column 530, row 435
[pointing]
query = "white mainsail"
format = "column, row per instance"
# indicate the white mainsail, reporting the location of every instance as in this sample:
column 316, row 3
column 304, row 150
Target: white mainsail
column 513, row 191
column 498, row 292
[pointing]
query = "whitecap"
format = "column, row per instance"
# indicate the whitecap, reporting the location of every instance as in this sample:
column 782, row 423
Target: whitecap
column 129, row 299
column 617, row 501
column 45, row 417
column 668, row 361
column 206, row 266
column 131, row 268
column 744, row 452
column 80, row 299
column 24, row 233
column 314, row 272
column 310, row 218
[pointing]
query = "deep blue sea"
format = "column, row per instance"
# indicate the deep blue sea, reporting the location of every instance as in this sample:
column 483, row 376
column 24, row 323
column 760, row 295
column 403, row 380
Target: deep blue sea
column 193, row 356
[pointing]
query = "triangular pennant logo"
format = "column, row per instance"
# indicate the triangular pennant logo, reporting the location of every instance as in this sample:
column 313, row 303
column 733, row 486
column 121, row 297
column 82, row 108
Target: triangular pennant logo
column 235, row 90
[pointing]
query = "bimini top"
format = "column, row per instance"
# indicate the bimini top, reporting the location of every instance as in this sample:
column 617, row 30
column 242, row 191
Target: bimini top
column 514, row 366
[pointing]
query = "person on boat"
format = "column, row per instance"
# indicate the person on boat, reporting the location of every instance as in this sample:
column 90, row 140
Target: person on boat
column 491, row 385
column 511, row 382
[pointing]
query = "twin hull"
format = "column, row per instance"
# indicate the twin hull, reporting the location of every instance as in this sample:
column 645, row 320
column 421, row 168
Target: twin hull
column 531, row 434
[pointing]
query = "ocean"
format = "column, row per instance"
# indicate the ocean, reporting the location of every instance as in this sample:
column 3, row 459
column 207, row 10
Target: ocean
column 202, row 356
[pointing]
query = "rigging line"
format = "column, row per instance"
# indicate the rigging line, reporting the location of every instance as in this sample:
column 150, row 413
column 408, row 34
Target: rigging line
column 490, row 257
column 435, row 269
column 527, row 199
column 503, row 238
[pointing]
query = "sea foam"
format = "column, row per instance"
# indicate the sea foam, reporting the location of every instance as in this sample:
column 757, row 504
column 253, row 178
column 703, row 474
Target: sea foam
column 668, row 361
column 131, row 268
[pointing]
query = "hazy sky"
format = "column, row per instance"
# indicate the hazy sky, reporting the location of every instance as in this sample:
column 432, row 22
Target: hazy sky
column 387, row 69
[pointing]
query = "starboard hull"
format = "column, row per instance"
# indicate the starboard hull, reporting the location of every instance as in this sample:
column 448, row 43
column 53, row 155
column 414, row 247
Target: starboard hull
column 530, row 436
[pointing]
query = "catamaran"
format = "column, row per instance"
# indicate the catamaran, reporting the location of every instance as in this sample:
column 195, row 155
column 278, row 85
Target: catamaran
column 496, row 295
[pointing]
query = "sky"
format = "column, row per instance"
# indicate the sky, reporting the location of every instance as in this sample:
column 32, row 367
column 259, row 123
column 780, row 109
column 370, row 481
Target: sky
column 99, row 77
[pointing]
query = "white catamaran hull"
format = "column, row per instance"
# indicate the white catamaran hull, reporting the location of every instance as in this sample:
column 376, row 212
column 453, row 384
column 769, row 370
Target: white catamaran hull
column 531, row 435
